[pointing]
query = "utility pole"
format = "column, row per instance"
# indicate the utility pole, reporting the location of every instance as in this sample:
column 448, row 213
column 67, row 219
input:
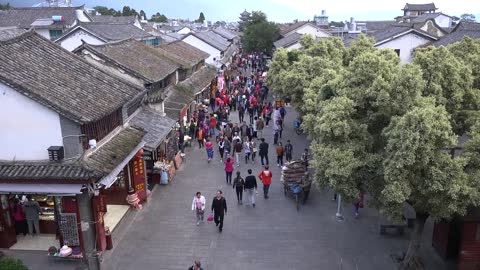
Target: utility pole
column 339, row 214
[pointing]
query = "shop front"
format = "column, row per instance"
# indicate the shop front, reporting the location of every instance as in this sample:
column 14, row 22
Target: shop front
column 58, row 219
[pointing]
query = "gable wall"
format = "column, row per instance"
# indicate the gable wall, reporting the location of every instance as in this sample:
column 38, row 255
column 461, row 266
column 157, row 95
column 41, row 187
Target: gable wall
column 199, row 44
column 406, row 44
column 74, row 40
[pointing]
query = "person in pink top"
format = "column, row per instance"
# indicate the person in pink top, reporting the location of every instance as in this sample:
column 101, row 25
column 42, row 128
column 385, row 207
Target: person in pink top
column 229, row 162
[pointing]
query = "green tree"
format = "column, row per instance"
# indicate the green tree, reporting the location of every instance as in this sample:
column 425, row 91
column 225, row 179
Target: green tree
column 8, row 263
column 5, row 6
column 384, row 128
column 466, row 17
column 143, row 15
column 201, row 18
column 160, row 18
column 418, row 170
column 259, row 34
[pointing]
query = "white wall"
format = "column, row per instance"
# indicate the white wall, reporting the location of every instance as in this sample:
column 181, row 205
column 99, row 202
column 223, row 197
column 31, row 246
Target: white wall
column 199, row 44
column 406, row 44
column 309, row 29
column 43, row 32
column 28, row 129
column 443, row 21
column 184, row 31
column 81, row 16
column 294, row 46
column 74, row 40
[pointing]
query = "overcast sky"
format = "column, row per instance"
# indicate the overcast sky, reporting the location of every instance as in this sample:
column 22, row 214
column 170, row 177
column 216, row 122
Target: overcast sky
column 277, row 10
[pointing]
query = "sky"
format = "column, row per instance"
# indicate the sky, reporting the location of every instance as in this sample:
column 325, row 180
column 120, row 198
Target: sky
column 276, row 10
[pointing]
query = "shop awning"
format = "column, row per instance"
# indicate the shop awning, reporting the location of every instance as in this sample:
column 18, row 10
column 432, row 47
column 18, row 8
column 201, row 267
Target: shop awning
column 54, row 189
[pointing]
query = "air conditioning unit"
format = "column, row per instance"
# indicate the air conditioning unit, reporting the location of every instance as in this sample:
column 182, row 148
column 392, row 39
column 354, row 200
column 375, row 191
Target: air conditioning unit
column 55, row 153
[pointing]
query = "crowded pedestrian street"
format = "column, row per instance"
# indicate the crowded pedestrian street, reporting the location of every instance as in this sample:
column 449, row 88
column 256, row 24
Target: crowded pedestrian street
column 273, row 235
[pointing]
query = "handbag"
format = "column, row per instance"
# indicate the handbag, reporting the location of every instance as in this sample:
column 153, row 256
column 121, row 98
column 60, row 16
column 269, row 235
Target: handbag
column 210, row 217
column 360, row 204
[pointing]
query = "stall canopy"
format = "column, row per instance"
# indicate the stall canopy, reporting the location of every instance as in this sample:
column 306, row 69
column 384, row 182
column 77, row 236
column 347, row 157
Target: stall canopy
column 54, row 189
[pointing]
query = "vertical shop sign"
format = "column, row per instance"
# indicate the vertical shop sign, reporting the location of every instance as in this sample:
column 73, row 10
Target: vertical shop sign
column 139, row 177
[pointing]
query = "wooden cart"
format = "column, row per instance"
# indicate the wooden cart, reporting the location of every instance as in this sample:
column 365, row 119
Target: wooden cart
column 296, row 181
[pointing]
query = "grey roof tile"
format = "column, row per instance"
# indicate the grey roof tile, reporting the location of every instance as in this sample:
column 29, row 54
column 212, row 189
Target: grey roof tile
column 213, row 39
column 108, row 156
column 79, row 91
column 22, row 170
column 156, row 126
column 288, row 40
column 114, row 19
column 224, row 33
column 10, row 32
column 24, row 17
column 182, row 53
column 110, row 31
column 142, row 59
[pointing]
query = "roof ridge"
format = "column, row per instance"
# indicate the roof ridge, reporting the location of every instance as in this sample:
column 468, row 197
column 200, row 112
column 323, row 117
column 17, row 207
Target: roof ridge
column 18, row 37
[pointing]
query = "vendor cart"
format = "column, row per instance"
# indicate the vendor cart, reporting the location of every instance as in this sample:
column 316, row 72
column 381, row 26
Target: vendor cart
column 296, row 181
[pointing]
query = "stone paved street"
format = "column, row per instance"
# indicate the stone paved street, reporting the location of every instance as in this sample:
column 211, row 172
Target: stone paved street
column 271, row 236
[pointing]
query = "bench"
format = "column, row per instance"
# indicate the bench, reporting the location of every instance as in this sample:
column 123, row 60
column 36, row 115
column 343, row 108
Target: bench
column 400, row 229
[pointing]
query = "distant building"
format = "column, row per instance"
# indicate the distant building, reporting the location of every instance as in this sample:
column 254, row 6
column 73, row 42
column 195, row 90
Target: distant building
column 418, row 9
column 321, row 20
column 244, row 16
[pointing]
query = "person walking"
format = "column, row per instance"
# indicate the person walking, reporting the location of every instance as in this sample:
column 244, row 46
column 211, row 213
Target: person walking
column 280, row 152
column 228, row 148
column 305, row 157
column 198, row 205
column 196, row 266
column 32, row 211
column 358, row 204
column 237, row 147
column 251, row 187
column 263, row 151
column 260, row 126
column 221, row 147
column 238, row 185
column 266, row 177
column 253, row 146
column 219, row 209
column 247, row 150
column 241, row 112
column 229, row 169
column 209, row 148
column 200, row 136
column 288, row 151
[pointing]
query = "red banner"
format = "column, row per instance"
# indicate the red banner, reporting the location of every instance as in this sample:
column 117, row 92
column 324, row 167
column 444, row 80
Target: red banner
column 139, row 177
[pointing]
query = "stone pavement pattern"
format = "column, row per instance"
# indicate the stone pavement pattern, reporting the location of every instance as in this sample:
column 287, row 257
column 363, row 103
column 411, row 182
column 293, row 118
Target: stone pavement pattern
column 271, row 236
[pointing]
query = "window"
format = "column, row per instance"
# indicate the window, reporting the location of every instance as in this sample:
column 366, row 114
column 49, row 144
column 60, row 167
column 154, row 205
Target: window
column 54, row 34
column 151, row 42
column 397, row 51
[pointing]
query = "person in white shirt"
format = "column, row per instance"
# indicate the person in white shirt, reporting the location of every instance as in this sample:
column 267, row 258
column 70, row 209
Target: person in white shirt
column 198, row 205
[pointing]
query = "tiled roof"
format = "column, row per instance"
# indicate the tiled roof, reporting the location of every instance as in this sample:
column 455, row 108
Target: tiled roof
column 420, row 7
column 288, row 40
column 60, row 80
column 108, row 156
column 45, row 170
column 10, row 32
column 24, row 17
column 110, row 31
column 114, row 19
column 376, row 25
column 287, row 28
column 139, row 58
column 198, row 80
column 224, row 33
column 463, row 29
column 427, row 16
column 394, row 30
column 182, row 53
column 175, row 101
column 156, row 126
column 213, row 39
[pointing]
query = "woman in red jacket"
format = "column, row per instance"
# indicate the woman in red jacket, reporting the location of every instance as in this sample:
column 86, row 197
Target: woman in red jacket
column 266, row 178
column 229, row 169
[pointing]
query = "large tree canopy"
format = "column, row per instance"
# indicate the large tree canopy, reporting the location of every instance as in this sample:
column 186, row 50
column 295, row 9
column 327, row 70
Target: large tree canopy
column 386, row 129
column 259, row 34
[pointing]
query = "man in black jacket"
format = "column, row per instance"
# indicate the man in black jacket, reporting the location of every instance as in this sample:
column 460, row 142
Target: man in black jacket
column 263, row 151
column 250, row 187
column 219, row 208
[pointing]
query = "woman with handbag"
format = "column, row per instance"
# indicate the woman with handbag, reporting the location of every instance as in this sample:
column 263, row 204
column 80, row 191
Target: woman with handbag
column 198, row 205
